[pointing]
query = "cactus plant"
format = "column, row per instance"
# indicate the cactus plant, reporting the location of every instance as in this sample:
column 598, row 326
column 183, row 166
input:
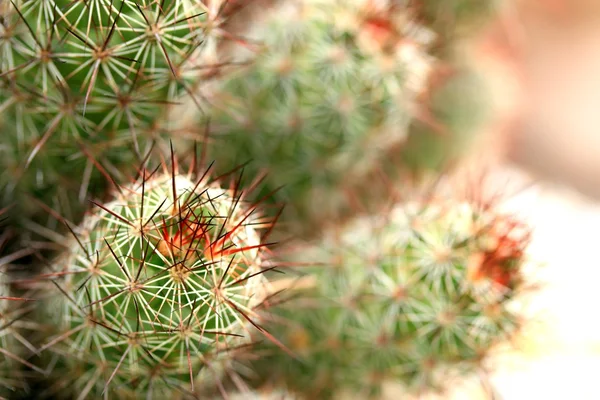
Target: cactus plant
column 333, row 85
column 82, row 81
column 156, row 288
column 416, row 296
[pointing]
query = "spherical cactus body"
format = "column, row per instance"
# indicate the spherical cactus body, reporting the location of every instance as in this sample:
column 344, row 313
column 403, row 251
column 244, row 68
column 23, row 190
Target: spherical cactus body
column 417, row 297
column 329, row 88
column 157, row 287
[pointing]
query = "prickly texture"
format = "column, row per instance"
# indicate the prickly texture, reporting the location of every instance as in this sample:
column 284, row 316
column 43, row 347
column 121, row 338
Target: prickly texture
column 331, row 87
column 417, row 297
column 156, row 289
column 86, row 88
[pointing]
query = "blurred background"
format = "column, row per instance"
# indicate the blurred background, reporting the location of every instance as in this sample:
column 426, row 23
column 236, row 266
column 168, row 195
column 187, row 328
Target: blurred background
column 543, row 57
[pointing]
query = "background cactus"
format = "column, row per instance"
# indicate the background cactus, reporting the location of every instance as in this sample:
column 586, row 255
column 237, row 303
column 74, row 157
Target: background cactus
column 86, row 88
column 156, row 288
column 332, row 87
column 415, row 296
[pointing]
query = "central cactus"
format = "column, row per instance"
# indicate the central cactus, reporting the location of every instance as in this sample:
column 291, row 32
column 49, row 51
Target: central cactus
column 157, row 286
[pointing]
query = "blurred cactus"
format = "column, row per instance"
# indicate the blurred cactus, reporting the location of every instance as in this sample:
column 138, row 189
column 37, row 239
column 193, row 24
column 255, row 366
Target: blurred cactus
column 11, row 378
column 157, row 287
column 14, row 328
column 83, row 85
column 456, row 106
column 332, row 87
column 416, row 296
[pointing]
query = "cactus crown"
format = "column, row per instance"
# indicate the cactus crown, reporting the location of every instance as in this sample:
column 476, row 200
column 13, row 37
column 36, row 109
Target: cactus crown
column 158, row 285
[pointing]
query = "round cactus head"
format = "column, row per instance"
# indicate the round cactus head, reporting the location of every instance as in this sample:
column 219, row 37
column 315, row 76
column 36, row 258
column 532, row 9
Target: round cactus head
column 335, row 92
column 331, row 86
column 416, row 296
column 158, row 286
column 79, row 79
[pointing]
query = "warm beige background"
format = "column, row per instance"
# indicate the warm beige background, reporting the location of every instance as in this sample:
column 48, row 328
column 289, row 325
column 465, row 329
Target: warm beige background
column 543, row 59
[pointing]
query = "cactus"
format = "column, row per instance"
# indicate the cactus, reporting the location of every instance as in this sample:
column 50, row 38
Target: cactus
column 416, row 296
column 332, row 87
column 157, row 288
column 82, row 81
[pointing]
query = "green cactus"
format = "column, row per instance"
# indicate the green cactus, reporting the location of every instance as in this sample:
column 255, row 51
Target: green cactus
column 416, row 297
column 83, row 84
column 333, row 85
column 157, row 288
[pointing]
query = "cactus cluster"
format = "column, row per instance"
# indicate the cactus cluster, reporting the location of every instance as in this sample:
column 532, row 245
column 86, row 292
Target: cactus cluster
column 156, row 287
column 145, row 282
column 416, row 296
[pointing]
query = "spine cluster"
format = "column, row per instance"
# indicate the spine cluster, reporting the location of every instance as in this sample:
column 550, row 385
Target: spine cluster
column 329, row 88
